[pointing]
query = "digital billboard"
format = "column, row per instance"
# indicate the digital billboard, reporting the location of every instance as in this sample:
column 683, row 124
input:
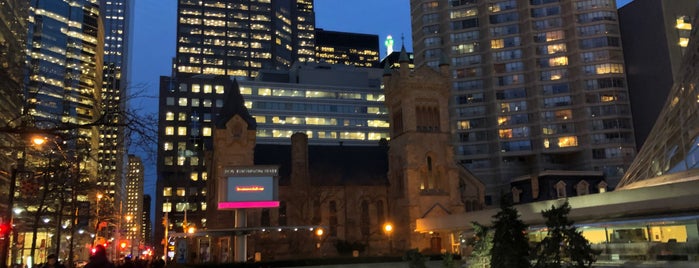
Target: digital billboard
column 248, row 187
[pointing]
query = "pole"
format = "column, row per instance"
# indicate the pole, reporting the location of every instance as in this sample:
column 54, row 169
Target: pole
column 240, row 238
column 5, row 254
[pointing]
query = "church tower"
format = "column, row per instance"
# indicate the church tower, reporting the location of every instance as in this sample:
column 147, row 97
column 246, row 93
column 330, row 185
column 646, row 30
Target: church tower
column 425, row 180
column 234, row 145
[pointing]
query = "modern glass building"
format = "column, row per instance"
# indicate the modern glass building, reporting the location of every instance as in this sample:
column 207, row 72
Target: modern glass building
column 63, row 84
column 537, row 85
column 654, row 36
column 331, row 104
column 361, row 50
column 117, row 18
column 238, row 38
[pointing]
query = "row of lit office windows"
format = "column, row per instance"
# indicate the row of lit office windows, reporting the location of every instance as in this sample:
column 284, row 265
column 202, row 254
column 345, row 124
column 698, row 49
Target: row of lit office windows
column 289, row 92
column 283, row 133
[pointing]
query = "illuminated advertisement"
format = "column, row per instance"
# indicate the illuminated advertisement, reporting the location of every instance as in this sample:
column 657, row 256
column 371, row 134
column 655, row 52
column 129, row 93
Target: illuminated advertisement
column 249, row 187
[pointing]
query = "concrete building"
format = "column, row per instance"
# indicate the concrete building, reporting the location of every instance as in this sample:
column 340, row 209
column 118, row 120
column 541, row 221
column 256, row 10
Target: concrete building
column 652, row 214
column 537, row 85
column 654, row 36
column 361, row 50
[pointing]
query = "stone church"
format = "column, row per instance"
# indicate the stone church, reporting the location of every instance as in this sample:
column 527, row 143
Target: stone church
column 348, row 192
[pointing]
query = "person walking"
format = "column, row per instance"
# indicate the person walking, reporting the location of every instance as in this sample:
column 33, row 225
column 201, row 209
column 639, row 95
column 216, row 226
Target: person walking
column 52, row 262
column 99, row 259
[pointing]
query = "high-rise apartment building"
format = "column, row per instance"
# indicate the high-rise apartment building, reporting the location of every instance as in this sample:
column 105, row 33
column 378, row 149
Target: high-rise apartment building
column 116, row 16
column 237, row 38
column 146, row 223
column 537, row 85
column 134, row 202
column 654, row 36
column 361, row 50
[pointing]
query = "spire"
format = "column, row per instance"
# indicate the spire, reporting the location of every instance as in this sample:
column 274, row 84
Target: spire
column 234, row 104
column 403, row 55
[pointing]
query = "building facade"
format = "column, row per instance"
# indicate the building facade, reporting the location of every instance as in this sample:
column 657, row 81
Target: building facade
column 654, row 36
column 361, row 50
column 117, row 18
column 331, row 104
column 133, row 211
column 147, row 223
column 537, row 85
column 238, row 38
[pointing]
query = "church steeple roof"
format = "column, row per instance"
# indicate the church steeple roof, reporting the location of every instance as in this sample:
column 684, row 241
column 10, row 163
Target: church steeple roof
column 233, row 105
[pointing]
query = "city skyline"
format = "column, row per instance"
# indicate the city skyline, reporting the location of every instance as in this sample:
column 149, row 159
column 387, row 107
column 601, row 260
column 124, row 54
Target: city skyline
column 155, row 31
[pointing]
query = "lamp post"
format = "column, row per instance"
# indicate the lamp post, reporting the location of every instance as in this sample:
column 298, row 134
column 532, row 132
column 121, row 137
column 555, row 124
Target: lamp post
column 388, row 229
column 8, row 218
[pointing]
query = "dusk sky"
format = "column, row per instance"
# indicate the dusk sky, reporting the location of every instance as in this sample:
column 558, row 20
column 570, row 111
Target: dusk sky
column 153, row 45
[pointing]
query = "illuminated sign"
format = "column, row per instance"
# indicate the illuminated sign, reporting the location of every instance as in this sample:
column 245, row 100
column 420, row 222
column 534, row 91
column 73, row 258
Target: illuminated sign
column 389, row 44
column 248, row 187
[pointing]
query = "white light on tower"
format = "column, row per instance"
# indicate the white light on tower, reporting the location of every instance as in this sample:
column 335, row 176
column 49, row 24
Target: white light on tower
column 389, row 45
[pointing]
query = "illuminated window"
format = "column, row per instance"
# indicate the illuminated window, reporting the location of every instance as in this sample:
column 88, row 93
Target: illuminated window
column 264, row 92
column 570, row 141
column 218, row 89
column 167, row 146
column 558, row 61
column 169, row 131
column 182, row 101
column 497, row 43
column 245, row 90
column 181, row 116
column 196, row 88
column 684, row 23
column 206, row 132
column 167, row 207
column 464, row 124
column 181, row 191
column 182, row 131
column 684, row 41
column 181, row 160
column 194, row 176
column 167, row 191
column 208, row 89
column 169, row 116
column 505, row 133
column 608, row 98
column 204, row 176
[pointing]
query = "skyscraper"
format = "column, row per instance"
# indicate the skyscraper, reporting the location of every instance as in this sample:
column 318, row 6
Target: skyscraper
column 63, row 84
column 134, row 202
column 237, row 38
column 654, row 36
column 116, row 15
column 537, row 85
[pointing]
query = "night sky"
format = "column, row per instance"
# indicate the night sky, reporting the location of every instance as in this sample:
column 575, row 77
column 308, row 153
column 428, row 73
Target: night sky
column 153, row 45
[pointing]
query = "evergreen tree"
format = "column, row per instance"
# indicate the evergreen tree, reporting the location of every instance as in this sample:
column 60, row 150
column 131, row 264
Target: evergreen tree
column 482, row 243
column 510, row 247
column 564, row 244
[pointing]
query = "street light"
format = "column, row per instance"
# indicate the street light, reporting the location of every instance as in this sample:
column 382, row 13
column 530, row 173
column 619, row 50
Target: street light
column 8, row 217
column 388, row 229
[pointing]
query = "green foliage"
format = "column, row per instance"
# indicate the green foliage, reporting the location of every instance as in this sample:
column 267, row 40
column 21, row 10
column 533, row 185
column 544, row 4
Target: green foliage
column 564, row 244
column 448, row 260
column 415, row 259
column 510, row 247
column 482, row 244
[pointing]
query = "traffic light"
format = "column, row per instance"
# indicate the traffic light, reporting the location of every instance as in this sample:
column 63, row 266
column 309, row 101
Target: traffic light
column 4, row 229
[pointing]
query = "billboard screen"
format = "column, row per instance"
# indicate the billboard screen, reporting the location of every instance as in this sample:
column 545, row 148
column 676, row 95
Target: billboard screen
column 249, row 187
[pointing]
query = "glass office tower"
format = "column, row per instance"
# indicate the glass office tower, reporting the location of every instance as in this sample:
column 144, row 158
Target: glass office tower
column 237, row 38
column 537, row 85
column 116, row 16
column 63, row 83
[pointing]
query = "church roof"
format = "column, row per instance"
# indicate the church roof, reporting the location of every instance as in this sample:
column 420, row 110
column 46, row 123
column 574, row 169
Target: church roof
column 233, row 105
column 331, row 165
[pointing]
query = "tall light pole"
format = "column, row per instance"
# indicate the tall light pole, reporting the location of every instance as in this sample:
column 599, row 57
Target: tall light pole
column 388, row 229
